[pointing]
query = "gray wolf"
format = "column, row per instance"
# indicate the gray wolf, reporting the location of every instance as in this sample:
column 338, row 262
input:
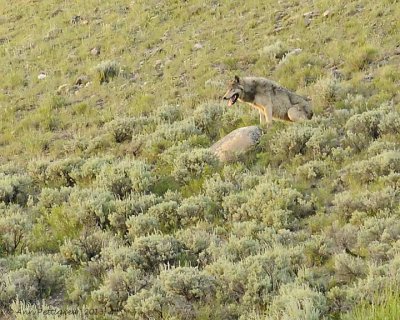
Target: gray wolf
column 270, row 99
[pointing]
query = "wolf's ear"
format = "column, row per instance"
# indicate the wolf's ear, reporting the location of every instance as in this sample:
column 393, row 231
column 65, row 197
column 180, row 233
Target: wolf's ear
column 237, row 80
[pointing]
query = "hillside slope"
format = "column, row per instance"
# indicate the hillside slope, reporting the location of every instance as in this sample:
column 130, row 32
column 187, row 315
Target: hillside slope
column 111, row 203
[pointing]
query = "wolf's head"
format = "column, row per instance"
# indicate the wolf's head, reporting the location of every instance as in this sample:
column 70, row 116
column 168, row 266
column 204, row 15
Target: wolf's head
column 235, row 92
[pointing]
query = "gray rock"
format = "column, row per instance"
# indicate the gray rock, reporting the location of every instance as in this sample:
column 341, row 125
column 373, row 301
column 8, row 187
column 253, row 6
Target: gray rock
column 197, row 46
column 311, row 14
column 81, row 80
column 95, row 51
column 53, row 34
column 327, row 13
column 368, row 77
column 76, row 19
column 236, row 143
column 63, row 89
column 42, row 75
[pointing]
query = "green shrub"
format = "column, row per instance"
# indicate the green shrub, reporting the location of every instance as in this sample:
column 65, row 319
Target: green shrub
column 361, row 58
column 91, row 168
column 230, row 282
column 197, row 240
column 363, row 128
column 147, row 253
column 366, row 171
column 299, row 70
column 217, row 189
column 348, row 268
column 133, row 205
column 390, row 122
column 254, row 281
column 50, row 198
column 235, row 249
column 324, row 94
column 318, row 250
column 166, row 135
column 122, row 129
column 384, row 306
column 232, row 205
column 267, row 272
column 15, row 226
column 83, row 281
column 117, row 255
column 274, row 205
column 290, row 142
column 188, row 283
column 312, row 170
column 322, row 142
column 15, row 189
column 98, row 144
column 377, row 236
column 195, row 209
column 126, row 177
column 277, row 50
column 142, row 225
column 116, row 288
column 371, row 202
column 155, row 250
column 206, row 116
column 148, row 303
column 377, row 281
column 42, row 277
column 234, row 118
column 56, row 173
column 168, row 113
column 298, row 302
column 107, row 70
column 85, row 248
column 166, row 213
column 92, row 206
column 380, row 146
column 178, row 292
column 193, row 164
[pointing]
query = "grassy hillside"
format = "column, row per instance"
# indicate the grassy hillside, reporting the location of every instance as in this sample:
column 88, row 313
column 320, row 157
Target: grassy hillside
column 111, row 205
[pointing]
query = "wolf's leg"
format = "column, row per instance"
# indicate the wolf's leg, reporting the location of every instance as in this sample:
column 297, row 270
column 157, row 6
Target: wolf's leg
column 295, row 114
column 268, row 115
column 262, row 120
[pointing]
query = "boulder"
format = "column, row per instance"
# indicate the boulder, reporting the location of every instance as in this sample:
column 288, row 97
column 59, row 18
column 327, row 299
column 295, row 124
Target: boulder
column 42, row 75
column 81, row 80
column 236, row 143
column 95, row 51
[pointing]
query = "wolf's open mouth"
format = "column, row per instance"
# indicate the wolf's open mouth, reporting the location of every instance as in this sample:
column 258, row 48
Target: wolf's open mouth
column 233, row 99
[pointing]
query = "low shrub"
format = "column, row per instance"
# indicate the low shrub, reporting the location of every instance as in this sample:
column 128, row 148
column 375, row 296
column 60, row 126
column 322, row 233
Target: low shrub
column 107, row 70
column 195, row 209
column 117, row 286
column 194, row 164
column 125, row 177
column 298, row 302
column 142, row 225
column 15, row 227
column 42, row 277
column 15, row 188
column 132, row 205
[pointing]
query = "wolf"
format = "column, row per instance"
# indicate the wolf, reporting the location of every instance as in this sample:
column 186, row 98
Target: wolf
column 270, row 99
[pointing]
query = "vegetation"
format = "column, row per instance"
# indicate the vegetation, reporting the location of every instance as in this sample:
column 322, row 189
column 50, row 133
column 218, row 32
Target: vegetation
column 113, row 207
